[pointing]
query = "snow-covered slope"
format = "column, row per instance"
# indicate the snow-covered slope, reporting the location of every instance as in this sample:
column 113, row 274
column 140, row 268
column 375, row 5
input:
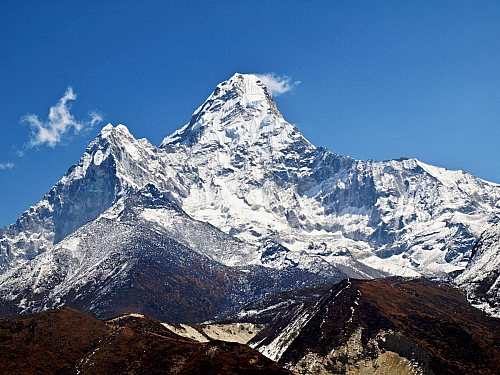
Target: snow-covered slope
column 481, row 277
column 239, row 167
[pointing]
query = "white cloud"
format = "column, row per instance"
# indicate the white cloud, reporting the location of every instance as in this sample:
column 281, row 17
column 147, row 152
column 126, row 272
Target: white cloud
column 6, row 165
column 95, row 118
column 277, row 85
column 58, row 124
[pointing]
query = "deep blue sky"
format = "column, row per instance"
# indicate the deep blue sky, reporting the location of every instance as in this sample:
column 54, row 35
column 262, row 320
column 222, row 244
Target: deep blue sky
column 379, row 79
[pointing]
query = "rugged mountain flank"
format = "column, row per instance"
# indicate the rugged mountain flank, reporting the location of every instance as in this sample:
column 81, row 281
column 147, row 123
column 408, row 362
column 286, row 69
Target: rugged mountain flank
column 122, row 262
column 51, row 342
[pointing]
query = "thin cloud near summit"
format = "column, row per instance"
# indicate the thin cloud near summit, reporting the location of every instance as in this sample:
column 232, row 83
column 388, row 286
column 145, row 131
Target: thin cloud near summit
column 59, row 123
column 277, row 85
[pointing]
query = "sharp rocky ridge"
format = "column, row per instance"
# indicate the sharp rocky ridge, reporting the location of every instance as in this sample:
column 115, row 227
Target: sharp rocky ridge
column 280, row 203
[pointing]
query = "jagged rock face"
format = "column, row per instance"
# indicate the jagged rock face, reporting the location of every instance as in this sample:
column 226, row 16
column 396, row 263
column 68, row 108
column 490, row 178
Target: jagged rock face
column 394, row 325
column 241, row 168
column 85, row 199
column 481, row 278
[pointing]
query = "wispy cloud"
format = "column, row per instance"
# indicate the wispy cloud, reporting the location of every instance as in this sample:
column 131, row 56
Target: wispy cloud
column 59, row 123
column 277, row 85
column 6, row 165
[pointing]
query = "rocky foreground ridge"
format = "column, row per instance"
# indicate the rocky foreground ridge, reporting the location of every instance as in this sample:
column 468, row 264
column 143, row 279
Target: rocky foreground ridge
column 391, row 326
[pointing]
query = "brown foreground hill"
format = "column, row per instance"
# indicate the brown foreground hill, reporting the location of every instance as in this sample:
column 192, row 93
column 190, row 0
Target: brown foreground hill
column 70, row 342
column 387, row 326
column 391, row 326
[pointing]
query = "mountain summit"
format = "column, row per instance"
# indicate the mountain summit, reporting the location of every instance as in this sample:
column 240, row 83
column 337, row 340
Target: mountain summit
column 240, row 112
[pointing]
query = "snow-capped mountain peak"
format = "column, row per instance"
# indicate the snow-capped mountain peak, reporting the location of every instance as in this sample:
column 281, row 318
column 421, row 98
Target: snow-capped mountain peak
column 240, row 112
column 115, row 152
column 109, row 129
column 240, row 173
